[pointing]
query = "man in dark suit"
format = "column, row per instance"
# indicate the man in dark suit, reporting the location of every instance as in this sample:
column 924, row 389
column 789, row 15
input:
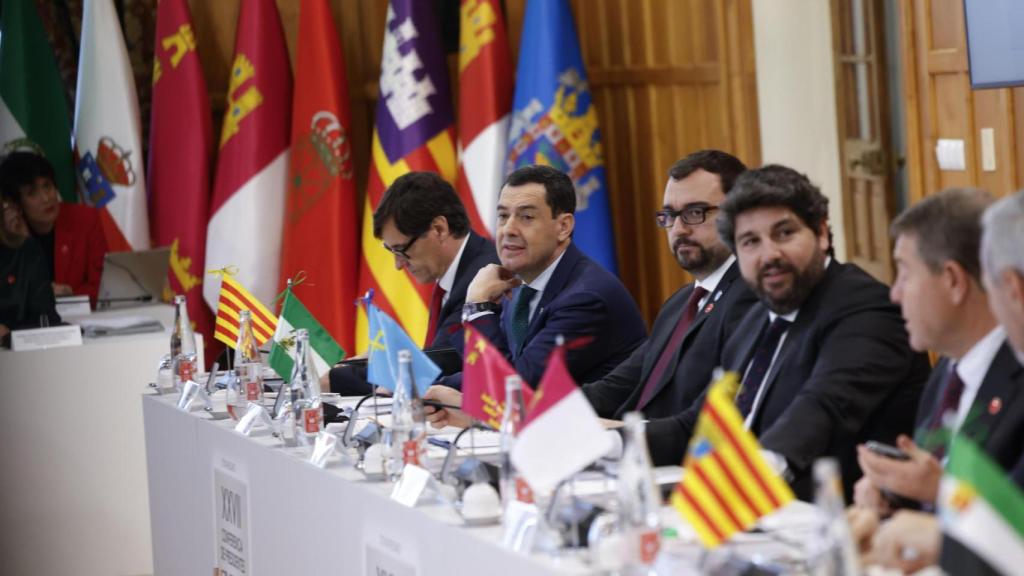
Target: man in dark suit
column 670, row 370
column 554, row 289
column 424, row 225
column 977, row 389
column 823, row 357
column 911, row 540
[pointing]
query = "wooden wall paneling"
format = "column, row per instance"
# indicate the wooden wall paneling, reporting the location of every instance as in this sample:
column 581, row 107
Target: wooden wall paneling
column 912, row 104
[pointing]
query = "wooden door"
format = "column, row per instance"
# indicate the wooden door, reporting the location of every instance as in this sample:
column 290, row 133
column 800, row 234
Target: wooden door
column 864, row 145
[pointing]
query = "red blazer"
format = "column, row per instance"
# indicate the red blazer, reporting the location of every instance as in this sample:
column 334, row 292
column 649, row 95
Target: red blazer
column 78, row 249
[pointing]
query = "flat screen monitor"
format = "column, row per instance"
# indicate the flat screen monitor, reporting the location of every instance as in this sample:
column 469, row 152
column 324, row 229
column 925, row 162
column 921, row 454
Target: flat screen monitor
column 995, row 42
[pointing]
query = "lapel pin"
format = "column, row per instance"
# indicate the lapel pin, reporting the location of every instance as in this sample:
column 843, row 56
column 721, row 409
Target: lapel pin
column 11, row 279
column 709, row 307
column 995, row 406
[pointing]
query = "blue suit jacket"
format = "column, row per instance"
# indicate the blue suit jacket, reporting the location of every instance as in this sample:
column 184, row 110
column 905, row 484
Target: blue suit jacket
column 581, row 299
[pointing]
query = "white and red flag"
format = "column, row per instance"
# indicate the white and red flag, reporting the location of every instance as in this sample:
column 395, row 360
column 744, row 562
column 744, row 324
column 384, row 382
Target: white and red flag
column 246, row 213
column 485, row 102
column 108, row 133
column 562, row 434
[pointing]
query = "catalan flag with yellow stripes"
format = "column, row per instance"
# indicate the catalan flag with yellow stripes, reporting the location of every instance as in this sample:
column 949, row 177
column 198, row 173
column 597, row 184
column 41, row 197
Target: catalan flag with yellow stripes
column 414, row 131
column 727, row 485
column 233, row 299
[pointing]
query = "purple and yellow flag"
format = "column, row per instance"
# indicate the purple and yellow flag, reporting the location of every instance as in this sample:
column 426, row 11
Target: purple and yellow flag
column 414, row 131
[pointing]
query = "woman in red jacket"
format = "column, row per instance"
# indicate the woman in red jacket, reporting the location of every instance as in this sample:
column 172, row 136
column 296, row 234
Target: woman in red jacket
column 71, row 234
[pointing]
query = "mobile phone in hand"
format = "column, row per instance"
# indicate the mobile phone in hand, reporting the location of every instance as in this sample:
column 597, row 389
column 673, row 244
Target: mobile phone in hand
column 887, row 450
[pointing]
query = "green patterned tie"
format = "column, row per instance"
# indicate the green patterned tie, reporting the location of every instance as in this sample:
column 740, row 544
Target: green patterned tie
column 521, row 316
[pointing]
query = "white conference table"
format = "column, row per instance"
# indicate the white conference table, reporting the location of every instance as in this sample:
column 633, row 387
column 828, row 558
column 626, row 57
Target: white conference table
column 73, row 479
column 300, row 519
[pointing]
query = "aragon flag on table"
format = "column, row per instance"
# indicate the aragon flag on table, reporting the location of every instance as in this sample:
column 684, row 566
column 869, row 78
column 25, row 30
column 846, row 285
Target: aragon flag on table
column 414, row 131
column 252, row 166
column 33, row 111
column 485, row 103
column 108, row 132
column 321, row 237
column 180, row 151
column 554, row 121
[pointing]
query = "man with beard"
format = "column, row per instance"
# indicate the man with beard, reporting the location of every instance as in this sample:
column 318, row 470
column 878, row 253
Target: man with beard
column 668, row 372
column 824, row 357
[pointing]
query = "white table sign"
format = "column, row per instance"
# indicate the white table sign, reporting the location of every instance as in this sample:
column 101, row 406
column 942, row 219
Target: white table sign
column 46, row 338
column 231, row 511
column 410, row 485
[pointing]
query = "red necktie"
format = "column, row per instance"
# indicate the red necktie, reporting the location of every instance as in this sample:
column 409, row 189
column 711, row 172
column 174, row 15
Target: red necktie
column 950, row 404
column 671, row 349
column 435, row 314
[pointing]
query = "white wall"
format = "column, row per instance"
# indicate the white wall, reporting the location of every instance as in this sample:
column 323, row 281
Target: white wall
column 796, row 96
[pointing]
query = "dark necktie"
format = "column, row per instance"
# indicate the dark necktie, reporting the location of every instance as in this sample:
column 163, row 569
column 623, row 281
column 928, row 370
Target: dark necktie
column 760, row 364
column 521, row 317
column 671, row 350
column 435, row 314
column 950, row 403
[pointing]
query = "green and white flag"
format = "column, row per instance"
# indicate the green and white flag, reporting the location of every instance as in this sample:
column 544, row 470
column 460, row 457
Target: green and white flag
column 981, row 508
column 34, row 113
column 294, row 315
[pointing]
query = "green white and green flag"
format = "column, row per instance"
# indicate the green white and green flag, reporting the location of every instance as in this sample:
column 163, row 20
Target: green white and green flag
column 33, row 109
column 295, row 315
column 982, row 508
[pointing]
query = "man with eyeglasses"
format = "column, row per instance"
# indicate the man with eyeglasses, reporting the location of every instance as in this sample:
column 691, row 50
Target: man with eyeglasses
column 669, row 371
column 423, row 223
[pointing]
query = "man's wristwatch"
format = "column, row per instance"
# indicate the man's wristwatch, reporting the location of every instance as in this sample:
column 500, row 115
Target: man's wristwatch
column 471, row 308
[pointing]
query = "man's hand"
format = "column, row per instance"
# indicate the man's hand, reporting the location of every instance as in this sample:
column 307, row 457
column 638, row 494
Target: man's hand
column 4, row 331
column 863, row 524
column 491, row 283
column 61, row 289
column 868, row 497
column 909, row 542
column 917, row 478
column 441, row 417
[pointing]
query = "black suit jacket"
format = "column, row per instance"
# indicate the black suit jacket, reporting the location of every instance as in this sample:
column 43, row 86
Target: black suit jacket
column 580, row 300
column 479, row 252
column 350, row 380
column 689, row 372
column 995, row 420
column 844, row 374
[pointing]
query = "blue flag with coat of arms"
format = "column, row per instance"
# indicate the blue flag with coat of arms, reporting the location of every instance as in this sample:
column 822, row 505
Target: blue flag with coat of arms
column 554, row 121
column 386, row 339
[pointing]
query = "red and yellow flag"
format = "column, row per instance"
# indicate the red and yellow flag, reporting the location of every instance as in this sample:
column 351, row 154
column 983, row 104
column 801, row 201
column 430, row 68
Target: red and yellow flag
column 726, row 483
column 233, row 299
column 485, row 104
column 413, row 131
column 320, row 224
column 180, row 152
column 484, row 369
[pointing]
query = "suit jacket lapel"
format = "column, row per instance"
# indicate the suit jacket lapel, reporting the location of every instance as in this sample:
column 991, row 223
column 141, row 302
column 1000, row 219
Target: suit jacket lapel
column 559, row 278
column 997, row 389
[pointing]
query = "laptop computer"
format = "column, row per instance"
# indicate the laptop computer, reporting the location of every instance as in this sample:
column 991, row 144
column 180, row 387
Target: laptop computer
column 133, row 278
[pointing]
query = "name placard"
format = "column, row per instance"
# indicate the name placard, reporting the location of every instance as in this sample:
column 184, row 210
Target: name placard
column 46, row 338
column 231, row 510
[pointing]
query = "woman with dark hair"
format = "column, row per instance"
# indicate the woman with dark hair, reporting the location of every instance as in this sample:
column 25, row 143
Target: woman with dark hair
column 70, row 235
column 26, row 296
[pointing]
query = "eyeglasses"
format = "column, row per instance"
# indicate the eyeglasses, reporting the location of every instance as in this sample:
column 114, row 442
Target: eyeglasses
column 691, row 215
column 402, row 250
